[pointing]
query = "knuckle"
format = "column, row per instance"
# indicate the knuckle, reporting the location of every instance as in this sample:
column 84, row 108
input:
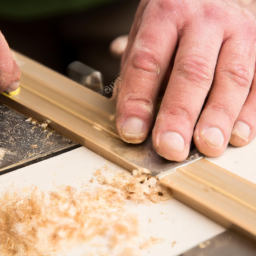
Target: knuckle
column 213, row 11
column 174, row 10
column 224, row 109
column 239, row 74
column 169, row 5
column 146, row 60
column 137, row 104
column 179, row 111
column 195, row 69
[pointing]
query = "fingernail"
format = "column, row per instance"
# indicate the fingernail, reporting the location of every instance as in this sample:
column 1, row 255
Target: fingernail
column 241, row 130
column 171, row 141
column 133, row 127
column 213, row 137
column 13, row 86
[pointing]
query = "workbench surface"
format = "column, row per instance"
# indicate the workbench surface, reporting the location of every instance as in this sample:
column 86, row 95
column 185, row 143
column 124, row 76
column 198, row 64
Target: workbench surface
column 23, row 140
column 176, row 226
column 171, row 227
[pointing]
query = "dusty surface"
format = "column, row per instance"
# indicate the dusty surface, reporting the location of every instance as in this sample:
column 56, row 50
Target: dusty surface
column 22, row 139
column 90, row 221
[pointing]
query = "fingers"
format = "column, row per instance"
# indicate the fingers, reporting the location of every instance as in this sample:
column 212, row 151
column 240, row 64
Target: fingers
column 244, row 129
column 134, row 30
column 141, row 76
column 187, row 89
column 220, row 33
column 118, row 46
column 233, row 78
column 130, row 40
column 9, row 70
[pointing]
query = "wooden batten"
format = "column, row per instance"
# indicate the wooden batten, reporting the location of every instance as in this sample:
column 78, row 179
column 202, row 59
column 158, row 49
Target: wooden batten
column 217, row 193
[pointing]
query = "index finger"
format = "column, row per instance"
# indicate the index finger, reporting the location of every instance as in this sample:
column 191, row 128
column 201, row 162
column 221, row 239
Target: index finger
column 142, row 74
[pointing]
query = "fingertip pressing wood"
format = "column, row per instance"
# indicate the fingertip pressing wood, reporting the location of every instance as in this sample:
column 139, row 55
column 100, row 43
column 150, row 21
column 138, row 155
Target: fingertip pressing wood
column 217, row 193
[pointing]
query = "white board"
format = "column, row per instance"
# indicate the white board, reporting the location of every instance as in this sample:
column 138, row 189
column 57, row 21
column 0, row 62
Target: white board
column 178, row 227
column 240, row 161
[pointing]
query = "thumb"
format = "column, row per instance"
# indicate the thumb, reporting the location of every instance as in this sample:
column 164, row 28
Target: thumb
column 9, row 70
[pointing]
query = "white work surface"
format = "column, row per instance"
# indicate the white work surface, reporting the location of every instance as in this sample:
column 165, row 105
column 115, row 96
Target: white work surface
column 177, row 227
column 241, row 161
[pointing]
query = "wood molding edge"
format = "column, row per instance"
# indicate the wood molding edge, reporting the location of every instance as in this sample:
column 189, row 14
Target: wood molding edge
column 217, row 193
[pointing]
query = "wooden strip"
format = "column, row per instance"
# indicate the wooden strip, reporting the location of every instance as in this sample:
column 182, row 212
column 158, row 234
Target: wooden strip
column 74, row 111
column 220, row 195
column 81, row 115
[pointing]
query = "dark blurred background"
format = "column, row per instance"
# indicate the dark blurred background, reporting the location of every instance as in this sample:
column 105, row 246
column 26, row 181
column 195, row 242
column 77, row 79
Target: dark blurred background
column 56, row 38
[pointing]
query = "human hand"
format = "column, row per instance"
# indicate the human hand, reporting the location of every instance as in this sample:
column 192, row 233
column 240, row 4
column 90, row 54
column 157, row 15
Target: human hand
column 213, row 43
column 9, row 70
column 118, row 46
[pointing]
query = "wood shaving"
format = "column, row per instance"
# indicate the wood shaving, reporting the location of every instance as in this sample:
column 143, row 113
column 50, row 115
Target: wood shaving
column 138, row 187
column 29, row 119
column 151, row 241
column 43, row 125
column 91, row 221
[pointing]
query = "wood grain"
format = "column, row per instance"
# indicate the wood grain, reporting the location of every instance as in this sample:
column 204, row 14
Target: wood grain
column 220, row 195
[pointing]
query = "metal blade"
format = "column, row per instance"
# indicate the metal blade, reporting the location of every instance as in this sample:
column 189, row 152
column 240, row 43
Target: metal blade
column 228, row 243
column 145, row 156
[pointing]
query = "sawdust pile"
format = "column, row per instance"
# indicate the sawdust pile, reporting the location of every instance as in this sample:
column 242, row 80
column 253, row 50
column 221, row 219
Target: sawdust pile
column 90, row 221
column 139, row 187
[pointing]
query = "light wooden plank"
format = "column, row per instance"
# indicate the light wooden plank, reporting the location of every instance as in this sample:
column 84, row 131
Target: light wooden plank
column 239, row 160
column 217, row 193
